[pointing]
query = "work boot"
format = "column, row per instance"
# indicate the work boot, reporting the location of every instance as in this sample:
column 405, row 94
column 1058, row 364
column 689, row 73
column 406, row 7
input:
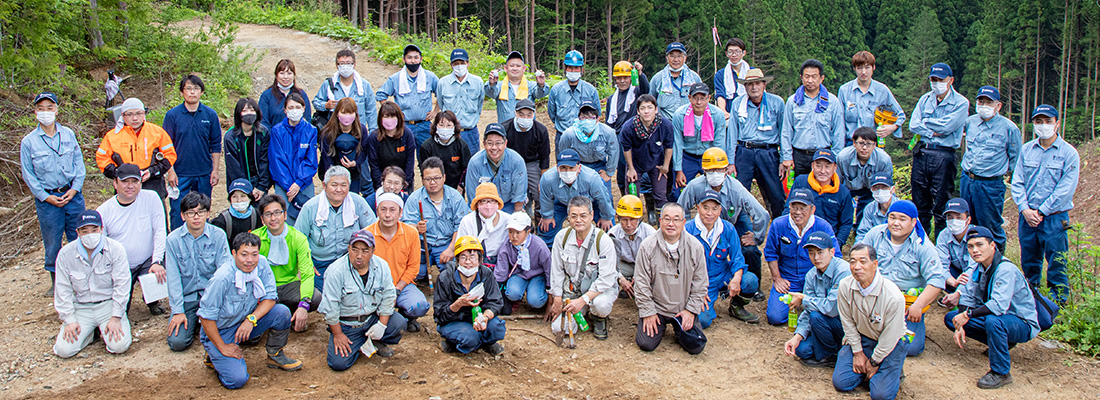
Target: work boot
column 507, row 308
column 53, row 279
column 413, row 326
column 494, row 349
column 281, row 361
column 155, row 308
column 599, row 327
column 759, row 297
column 993, row 380
column 206, row 361
column 827, row 362
column 383, row 350
column 447, row 346
column 737, row 310
column 651, row 210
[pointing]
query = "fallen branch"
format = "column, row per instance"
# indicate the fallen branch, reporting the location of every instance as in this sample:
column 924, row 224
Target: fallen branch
column 531, row 331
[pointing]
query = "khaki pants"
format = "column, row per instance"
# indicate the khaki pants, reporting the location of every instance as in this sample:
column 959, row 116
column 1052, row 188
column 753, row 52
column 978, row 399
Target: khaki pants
column 90, row 317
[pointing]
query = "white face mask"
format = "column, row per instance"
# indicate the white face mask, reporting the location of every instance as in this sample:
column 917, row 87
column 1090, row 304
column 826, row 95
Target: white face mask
column 716, row 178
column 523, row 124
column 1044, row 131
column 460, row 70
column 46, row 118
column 573, row 76
column 986, row 112
column 284, row 88
column 568, row 176
column 939, row 87
column 240, row 206
column 681, row 68
column 445, row 134
column 467, row 272
column 882, row 196
column 956, row 226
column 295, row 115
column 91, row 240
column 345, row 70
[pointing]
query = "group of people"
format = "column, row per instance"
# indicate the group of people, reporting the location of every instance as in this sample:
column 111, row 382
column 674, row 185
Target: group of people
column 493, row 226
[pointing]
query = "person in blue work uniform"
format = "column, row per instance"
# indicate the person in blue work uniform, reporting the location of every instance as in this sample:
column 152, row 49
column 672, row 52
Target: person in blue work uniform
column 698, row 126
column 462, row 93
column 996, row 308
column 727, row 81
column 882, row 190
column 939, row 119
column 270, row 106
column 197, row 137
column 952, row 250
column 292, row 156
column 670, row 84
column 818, row 336
column 360, row 306
column 647, row 153
column 742, row 209
column 834, row 201
column 443, row 208
column 568, row 96
column 907, row 257
column 239, row 306
column 596, row 144
column 412, row 89
column 347, row 82
column 726, row 270
column 503, row 167
column 514, row 87
column 813, row 120
column 992, row 146
column 859, row 163
column 862, row 96
column 246, row 149
column 755, row 123
column 192, row 253
column 558, row 186
column 787, row 259
column 330, row 219
column 1043, row 184
column 52, row 166
column 453, row 304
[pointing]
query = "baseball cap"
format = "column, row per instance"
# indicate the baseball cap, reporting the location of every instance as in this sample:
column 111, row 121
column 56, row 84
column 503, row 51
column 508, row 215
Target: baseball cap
column 591, row 104
column 520, row 221
column 940, row 70
column 514, row 54
column 495, row 129
column 127, row 171
column 411, row 48
column 675, row 46
column 979, row 232
column 525, row 104
column 825, row 154
column 242, row 185
column 710, row 195
column 364, row 236
column 820, row 240
column 990, row 92
column 459, row 54
column 804, row 196
column 45, row 96
column 882, row 178
column 89, row 217
column 957, row 205
column 569, row 158
column 1045, row 109
column 698, row 87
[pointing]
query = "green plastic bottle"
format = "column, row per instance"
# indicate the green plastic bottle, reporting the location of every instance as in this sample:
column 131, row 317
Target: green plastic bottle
column 913, row 143
column 581, row 322
column 792, row 316
column 632, row 188
column 633, row 77
column 476, row 312
column 881, row 141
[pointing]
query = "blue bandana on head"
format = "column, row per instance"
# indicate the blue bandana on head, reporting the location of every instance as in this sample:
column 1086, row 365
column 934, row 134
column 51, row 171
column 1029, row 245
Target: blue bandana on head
column 909, row 209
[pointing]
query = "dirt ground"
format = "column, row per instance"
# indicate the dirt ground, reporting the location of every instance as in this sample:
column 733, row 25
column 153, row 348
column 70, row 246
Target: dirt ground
column 740, row 360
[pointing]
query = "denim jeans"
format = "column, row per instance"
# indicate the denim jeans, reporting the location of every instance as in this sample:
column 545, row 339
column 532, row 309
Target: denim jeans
column 55, row 221
column 187, row 184
column 466, row 339
column 534, row 288
column 185, row 336
column 887, row 379
column 233, row 372
column 358, row 337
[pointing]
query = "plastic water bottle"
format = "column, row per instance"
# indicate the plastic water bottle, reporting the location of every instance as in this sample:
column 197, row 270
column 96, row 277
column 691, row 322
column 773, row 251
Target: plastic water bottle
column 881, row 141
column 909, row 335
column 581, row 322
column 475, row 313
column 792, row 316
column 632, row 188
column 633, row 77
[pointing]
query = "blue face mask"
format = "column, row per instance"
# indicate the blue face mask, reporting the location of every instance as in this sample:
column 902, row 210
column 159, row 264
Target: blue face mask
column 584, row 129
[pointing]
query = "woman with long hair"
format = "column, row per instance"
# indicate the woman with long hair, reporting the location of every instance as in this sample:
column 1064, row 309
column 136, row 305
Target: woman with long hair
column 445, row 144
column 271, row 100
column 392, row 144
column 341, row 143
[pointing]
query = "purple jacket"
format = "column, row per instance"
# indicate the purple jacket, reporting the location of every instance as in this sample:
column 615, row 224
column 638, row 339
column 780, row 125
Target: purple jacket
column 507, row 256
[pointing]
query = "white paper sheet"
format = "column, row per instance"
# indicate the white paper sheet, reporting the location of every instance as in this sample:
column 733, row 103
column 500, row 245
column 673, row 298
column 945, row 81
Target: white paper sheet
column 151, row 290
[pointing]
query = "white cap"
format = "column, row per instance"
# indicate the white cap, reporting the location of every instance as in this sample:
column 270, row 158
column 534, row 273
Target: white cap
column 520, row 221
column 387, row 196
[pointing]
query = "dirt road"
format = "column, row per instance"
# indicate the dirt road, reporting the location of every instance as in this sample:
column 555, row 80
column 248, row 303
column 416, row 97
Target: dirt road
column 740, row 361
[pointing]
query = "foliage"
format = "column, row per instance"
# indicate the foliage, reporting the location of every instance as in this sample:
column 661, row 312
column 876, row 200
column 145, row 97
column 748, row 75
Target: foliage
column 925, row 46
column 1078, row 323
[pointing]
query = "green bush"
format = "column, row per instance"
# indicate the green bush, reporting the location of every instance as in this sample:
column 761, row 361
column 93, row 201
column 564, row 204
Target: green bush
column 1078, row 323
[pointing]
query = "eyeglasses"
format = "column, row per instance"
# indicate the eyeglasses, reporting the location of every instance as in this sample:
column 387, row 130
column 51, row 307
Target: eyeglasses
column 864, row 144
column 192, row 89
column 271, row 214
column 499, row 143
column 193, row 213
column 672, row 219
column 580, row 216
column 469, row 257
column 734, row 52
column 129, row 114
column 433, row 179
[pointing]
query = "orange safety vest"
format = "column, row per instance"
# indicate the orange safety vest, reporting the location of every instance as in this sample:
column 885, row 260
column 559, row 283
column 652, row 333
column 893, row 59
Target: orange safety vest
column 134, row 148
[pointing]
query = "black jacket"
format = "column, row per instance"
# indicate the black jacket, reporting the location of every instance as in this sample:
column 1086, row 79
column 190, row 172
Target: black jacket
column 533, row 145
column 234, row 149
column 448, row 289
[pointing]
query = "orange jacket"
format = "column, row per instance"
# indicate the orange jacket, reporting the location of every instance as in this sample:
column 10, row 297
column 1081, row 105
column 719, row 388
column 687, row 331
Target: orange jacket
column 133, row 148
column 403, row 253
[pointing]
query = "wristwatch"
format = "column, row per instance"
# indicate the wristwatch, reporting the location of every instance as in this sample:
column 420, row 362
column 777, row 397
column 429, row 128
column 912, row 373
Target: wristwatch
column 873, row 362
column 252, row 318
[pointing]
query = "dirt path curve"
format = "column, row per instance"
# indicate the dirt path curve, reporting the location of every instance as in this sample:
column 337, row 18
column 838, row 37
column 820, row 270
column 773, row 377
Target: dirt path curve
column 740, row 361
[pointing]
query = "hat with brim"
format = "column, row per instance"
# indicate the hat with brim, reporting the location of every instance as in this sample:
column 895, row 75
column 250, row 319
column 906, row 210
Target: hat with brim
column 755, row 75
column 486, row 190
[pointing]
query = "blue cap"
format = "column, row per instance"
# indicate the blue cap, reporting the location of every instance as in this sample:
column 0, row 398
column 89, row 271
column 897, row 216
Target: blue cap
column 591, row 104
column 459, row 54
column 514, row 54
column 242, row 185
column 957, row 205
column 574, row 59
column 882, row 178
column 569, row 158
column 989, row 91
column 820, row 240
column 676, row 46
column 979, row 232
column 710, row 195
column 495, row 128
column 411, row 48
column 89, row 217
column 825, row 154
column 45, row 96
column 804, row 196
column 1045, row 109
column 940, row 70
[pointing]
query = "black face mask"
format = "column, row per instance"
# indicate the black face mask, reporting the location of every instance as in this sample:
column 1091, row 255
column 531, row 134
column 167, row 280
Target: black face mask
column 248, row 119
column 412, row 67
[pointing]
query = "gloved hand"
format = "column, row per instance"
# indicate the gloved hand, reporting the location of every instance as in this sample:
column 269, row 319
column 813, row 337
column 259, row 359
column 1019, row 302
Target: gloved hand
column 109, row 171
column 375, row 332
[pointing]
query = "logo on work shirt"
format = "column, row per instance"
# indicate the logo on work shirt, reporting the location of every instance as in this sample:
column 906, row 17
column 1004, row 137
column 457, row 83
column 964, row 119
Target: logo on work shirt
column 401, row 149
column 206, row 121
column 455, row 158
column 304, row 145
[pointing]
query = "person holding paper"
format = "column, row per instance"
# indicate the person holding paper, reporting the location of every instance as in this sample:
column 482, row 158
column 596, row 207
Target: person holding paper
column 362, row 300
column 467, row 302
column 192, row 253
column 135, row 218
column 93, row 279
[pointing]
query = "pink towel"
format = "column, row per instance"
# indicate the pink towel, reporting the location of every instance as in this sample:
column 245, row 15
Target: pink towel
column 707, row 126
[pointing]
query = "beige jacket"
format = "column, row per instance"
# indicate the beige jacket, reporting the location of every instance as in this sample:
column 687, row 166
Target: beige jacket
column 667, row 283
column 880, row 315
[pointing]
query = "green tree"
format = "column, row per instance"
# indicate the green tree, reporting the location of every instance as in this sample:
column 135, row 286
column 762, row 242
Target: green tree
column 892, row 26
column 925, row 46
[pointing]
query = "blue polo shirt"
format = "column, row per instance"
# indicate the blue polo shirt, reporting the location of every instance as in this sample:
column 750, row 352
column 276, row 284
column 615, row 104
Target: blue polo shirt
column 196, row 136
column 785, row 247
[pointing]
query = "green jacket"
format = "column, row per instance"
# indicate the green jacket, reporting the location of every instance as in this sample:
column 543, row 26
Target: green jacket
column 300, row 266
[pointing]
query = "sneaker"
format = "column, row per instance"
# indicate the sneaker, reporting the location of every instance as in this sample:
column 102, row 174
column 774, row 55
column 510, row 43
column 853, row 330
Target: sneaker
column 206, row 361
column 413, row 326
column 382, row 350
column 448, row 347
column 827, row 362
column 737, row 310
column 281, row 361
column 759, row 297
column 599, row 327
column 494, row 349
column 993, row 380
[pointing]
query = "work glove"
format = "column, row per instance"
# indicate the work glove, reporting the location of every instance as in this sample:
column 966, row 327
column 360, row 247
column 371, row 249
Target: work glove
column 375, row 332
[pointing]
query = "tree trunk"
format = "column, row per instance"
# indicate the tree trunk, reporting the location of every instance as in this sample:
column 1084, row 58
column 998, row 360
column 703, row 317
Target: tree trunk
column 573, row 24
column 1023, row 105
column 607, row 18
column 95, row 34
column 353, row 12
column 531, row 34
column 454, row 17
column 508, row 25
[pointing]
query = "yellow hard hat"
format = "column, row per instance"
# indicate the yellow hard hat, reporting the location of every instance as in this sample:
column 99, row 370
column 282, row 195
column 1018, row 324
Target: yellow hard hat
column 629, row 206
column 622, row 68
column 715, row 158
column 467, row 243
